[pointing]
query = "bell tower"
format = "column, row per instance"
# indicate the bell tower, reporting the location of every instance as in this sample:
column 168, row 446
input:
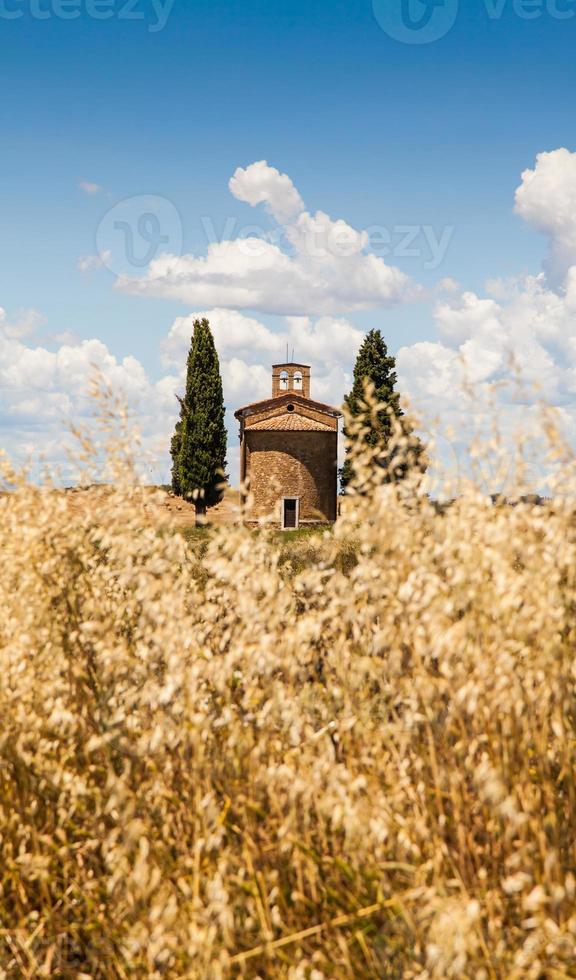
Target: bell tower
column 291, row 377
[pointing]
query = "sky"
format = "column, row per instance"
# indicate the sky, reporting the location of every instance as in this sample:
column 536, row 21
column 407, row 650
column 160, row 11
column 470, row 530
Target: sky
column 297, row 172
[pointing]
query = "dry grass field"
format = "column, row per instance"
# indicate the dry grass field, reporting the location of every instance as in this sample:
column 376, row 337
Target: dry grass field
column 215, row 767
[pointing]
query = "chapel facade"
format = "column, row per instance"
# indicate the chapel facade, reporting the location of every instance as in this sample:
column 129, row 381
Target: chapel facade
column 289, row 453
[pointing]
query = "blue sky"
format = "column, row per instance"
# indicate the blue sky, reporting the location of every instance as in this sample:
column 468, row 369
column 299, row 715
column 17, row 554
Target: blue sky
column 370, row 130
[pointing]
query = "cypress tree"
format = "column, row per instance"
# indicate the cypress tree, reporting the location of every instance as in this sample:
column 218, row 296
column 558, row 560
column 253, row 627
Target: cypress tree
column 373, row 363
column 198, row 446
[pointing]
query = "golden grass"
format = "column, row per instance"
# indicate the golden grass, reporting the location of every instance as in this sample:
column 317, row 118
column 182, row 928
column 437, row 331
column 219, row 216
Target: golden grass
column 212, row 768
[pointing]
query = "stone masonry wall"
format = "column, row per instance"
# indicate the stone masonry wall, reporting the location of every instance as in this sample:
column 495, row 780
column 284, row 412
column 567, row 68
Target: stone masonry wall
column 292, row 464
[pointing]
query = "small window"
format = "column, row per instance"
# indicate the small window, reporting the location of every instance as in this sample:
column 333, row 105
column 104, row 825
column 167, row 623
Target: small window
column 284, row 380
column 298, row 380
column 289, row 408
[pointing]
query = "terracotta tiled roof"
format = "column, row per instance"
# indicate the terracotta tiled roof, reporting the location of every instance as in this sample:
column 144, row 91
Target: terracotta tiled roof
column 290, row 421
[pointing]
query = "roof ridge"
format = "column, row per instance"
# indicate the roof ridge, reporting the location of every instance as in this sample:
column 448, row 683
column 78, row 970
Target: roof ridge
column 288, row 396
column 289, row 421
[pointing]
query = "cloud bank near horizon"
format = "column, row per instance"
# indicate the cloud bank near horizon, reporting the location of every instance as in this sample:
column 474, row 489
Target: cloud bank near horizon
column 531, row 319
column 524, row 326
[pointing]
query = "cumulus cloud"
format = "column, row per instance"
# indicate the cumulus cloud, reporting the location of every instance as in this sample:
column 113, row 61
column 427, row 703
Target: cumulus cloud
column 232, row 330
column 248, row 347
column 262, row 184
column 546, row 199
column 448, row 285
column 529, row 335
column 25, row 323
column 28, row 370
column 320, row 267
column 309, row 272
column 327, row 340
column 523, row 327
column 43, row 391
column 90, row 263
column 494, row 364
column 243, row 382
column 69, row 337
column 89, row 187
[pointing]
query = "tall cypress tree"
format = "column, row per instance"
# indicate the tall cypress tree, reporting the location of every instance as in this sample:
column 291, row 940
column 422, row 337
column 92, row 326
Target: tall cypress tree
column 198, row 447
column 374, row 364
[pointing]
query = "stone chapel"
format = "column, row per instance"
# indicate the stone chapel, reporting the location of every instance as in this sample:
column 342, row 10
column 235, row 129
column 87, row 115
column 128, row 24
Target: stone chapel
column 289, row 453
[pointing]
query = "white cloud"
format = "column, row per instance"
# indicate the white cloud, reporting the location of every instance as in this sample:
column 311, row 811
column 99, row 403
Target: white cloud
column 23, row 324
column 322, row 266
column 90, row 188
column 315, row 269
column 523, row 327
column 245, row 383
column 232, row 330
column 328, row 340
column 546, row 199
column 90, row 263
column 262, row 184
column 69, row 337
column 459, row 319
column 247, row 348
column 530, row 333
column 43, row 391
column 428, row 371
column 447, row 285
column 27, row 369
column 325, row 340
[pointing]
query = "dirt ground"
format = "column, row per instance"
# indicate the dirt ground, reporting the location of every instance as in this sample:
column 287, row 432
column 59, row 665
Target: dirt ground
column 161, row 504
